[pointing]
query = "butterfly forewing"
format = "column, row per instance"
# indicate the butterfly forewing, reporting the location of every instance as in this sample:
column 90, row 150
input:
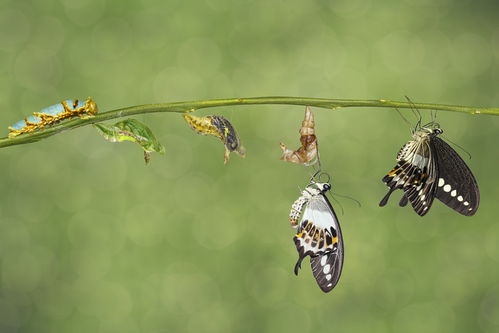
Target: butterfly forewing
column 456, row 185
column 319, row 236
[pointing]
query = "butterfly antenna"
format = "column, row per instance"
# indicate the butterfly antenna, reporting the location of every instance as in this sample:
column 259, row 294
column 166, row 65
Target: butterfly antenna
column 404, row 118
column 348, row 197
column 416, row 113
column 316, row 173
column 327, row 175
column 435, row 117
column 458, row 146
column 339, row 204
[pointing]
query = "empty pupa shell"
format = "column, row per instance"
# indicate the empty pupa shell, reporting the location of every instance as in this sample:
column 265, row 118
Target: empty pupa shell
column 307, row 154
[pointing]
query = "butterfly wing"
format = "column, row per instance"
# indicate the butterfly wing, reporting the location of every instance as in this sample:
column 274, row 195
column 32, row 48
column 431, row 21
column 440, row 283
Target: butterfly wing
column 319, row 236
column 415, row 174
column 456, row 185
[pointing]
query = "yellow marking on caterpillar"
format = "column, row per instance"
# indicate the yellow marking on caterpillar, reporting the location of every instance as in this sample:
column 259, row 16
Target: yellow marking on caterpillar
column 53, row 114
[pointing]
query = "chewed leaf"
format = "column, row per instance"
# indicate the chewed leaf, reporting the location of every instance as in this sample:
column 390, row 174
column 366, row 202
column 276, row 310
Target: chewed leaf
column 307, row 154
column 134, row 131
column 219, row 127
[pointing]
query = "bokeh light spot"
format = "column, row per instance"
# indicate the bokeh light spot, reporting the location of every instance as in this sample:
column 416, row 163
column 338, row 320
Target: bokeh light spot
column 189, row 292
column 268, row 284
column 145, row 224
column 401, row 51
column 111, row 39
column 472, row 54
column 424, row 317
column 14, row 28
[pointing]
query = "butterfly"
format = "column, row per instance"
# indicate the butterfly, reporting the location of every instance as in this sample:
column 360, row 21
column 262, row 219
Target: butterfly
column 318, row 235
column 429, row 168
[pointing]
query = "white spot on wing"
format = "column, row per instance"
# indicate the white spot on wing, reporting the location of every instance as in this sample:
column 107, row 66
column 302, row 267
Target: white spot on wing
column 328, row 277
column 453, row 193
column 423, row 196
column 329, row 285
column 323, row 260
column 441, row 182
column 459, row 198
column 466, row 203
column 447, row 188
column 326, row 269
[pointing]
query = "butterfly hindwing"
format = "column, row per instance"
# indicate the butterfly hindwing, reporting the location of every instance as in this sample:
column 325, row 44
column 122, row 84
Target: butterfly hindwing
column 456, row 185
column 415, row 175
column 327, row 269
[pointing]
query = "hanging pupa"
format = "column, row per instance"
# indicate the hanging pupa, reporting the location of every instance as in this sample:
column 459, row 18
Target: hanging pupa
column 219, row 127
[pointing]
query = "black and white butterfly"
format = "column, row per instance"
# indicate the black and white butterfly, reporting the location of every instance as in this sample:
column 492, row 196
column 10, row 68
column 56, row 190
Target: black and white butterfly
column 429, row 168
column 318, row 235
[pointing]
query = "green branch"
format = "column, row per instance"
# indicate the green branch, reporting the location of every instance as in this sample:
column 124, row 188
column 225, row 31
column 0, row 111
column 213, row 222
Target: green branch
column 182, row 107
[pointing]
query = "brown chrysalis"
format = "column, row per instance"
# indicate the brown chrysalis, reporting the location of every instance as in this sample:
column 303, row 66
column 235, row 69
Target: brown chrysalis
column 307, row 154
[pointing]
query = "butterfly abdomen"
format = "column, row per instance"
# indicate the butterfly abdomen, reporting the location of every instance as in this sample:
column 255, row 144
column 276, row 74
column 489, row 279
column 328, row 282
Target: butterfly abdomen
column 403, row 151
column 297, row 208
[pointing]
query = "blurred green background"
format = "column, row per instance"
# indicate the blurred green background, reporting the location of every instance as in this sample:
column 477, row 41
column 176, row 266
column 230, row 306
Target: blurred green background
column 91, row 240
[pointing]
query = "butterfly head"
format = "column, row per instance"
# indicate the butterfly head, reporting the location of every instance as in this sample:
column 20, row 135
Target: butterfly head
column 320, row 187
column 437, row 131
column 430, row 129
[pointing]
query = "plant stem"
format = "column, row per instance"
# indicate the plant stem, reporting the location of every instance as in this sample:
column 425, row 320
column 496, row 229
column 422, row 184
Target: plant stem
column 181, row 107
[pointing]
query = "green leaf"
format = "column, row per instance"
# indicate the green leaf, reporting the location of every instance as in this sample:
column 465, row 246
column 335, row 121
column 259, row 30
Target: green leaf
column 134, row 131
